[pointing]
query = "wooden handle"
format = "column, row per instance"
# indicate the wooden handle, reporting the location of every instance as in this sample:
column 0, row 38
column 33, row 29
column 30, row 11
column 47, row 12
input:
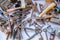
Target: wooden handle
column 50, row 7
column 49, row 1
column 12, row 9
column 50, row 16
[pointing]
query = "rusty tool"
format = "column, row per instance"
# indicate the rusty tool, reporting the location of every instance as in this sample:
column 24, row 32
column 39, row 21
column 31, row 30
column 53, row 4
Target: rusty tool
column 55, row 20
column 25, row 30
column 38, row 30
column 32, row 36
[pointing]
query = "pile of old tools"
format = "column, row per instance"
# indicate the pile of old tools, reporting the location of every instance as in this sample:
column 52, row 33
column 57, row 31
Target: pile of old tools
column 14, row 20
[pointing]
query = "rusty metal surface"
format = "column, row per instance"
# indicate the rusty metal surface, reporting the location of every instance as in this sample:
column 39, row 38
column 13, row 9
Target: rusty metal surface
column 25, row 23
